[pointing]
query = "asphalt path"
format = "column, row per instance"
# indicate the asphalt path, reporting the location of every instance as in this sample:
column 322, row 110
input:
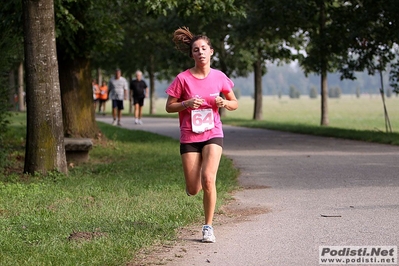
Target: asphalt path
column 318, row 192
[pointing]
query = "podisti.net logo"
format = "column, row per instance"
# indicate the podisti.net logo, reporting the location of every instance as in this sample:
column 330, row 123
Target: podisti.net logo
column 387, row 255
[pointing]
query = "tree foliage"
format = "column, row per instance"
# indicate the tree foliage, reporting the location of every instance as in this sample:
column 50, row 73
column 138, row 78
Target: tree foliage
column 86, row 26
column 372, row 39
column 265, row 34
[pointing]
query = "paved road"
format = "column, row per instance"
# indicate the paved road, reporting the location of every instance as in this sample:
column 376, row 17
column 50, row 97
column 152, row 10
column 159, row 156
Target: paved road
column 299, row 179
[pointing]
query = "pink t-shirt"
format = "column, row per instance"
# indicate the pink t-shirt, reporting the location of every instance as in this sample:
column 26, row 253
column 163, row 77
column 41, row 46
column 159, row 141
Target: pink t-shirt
column 185, row 86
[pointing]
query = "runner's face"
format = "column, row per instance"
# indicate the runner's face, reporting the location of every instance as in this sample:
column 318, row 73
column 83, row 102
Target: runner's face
column 201, row 52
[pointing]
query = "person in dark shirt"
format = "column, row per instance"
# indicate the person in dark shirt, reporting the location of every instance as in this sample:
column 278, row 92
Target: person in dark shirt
column 138, row 91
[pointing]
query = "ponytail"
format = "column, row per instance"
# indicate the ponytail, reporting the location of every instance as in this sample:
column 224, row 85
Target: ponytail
column 183, row 39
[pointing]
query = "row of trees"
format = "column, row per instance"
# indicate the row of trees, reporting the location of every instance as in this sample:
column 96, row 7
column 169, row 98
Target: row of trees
column 294, row 93
column 279, row 78
column 323, row 35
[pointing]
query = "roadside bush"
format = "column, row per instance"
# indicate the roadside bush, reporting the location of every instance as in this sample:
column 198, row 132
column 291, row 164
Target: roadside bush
column 294, row 92
column 357, row 92
column 389, row 93
column 313, row 93
column 334, row 92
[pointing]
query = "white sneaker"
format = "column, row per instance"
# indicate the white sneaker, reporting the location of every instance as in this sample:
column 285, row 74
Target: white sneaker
column 136, row 121
column 140, row 122
column 114, row 122
column 119, row 123
column 207, row 234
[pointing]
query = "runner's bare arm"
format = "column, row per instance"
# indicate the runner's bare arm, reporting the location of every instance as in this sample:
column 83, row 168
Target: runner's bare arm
column 173, row 105
column 230, row 103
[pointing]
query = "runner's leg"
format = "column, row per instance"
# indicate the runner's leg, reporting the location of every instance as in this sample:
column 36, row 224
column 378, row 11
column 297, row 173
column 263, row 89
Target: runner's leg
column 210, row 163
column 192, row 171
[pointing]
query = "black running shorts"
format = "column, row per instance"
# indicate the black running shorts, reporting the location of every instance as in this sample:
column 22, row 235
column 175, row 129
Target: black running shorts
column 198, row 146
column 117, row 104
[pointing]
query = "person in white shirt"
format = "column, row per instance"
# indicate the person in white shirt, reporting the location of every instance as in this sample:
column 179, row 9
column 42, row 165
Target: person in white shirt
column 117, row 88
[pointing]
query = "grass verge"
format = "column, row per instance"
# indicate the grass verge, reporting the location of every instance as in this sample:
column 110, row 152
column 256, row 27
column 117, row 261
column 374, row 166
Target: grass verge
column 129, row 196
column 353, row 134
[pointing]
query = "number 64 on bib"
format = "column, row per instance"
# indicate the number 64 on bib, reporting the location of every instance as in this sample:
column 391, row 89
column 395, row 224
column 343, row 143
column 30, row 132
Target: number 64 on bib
column 202, row 120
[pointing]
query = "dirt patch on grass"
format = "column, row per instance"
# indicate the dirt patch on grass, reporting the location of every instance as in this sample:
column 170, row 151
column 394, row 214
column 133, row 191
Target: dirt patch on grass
column 85, row 236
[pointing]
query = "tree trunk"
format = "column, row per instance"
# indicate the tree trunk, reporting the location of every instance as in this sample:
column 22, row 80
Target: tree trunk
column 220, row 46
column 77, row 97
column 258, row 114
column 12, row 92
column 151, row 73
column 99, row 77
column 323, row 66
column 324, row 99
column 45, row 149
column 21, row 93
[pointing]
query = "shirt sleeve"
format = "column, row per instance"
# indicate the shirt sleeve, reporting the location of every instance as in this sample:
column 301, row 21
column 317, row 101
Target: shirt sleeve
column 175, row 88
column 228, row 84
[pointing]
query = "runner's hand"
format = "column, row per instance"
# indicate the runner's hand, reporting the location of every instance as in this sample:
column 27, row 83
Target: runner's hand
column 220, row 102
column 195, row 103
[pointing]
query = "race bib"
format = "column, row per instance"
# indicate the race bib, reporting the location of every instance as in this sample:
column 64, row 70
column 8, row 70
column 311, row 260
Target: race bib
column 202, row 120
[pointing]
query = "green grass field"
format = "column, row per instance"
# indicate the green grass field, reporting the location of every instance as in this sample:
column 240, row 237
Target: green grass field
column 350, row 117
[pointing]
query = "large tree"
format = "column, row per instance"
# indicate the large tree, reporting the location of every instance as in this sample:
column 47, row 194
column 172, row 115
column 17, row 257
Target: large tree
column 45, row 140
column 265, row 36
column 322, row 24
column 83, row 27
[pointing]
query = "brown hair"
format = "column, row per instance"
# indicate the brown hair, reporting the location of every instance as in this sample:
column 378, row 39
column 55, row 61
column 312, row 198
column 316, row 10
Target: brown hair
column 184, row 39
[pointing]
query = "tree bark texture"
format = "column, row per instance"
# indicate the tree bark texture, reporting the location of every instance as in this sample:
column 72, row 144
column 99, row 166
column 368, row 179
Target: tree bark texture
column 151, row 73
column 258, row 113
column 223, row 67
column 77, row 97
column 21, row 92
column 323, row 67
column 44, row 139
column 11, row 91
column 324, row 100
column 99, row 77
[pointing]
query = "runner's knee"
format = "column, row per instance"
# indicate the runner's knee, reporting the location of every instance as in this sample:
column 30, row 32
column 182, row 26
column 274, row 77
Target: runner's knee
column 208, row 182
column 192, row 190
